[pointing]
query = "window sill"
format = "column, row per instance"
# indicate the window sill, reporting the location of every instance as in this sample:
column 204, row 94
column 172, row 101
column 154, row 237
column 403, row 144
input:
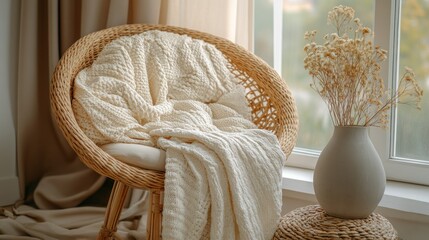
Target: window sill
column 400, row 196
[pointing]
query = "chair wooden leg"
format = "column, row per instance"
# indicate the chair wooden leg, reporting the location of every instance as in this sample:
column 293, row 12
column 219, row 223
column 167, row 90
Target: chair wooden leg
column 113, row 211
column 154, row 217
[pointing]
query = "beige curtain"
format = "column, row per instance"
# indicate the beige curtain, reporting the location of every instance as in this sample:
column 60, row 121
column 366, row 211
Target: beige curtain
column 60, row 193
column 230, row 19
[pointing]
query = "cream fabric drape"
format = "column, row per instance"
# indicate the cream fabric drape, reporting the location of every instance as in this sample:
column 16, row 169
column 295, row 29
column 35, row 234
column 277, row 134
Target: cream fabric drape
column 60, row 193
column 230, row 19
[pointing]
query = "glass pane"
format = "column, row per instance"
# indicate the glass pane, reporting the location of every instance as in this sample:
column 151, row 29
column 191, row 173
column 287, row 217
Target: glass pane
column 263, row 28
column 300, row 16
column 412, row 128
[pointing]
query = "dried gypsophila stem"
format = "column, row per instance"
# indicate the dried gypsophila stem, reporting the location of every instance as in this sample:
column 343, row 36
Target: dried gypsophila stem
column 346, row 73
column 409, row 93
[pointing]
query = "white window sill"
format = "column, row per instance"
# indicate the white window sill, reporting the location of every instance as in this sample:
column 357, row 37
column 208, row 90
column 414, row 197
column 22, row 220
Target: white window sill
column 398, row 196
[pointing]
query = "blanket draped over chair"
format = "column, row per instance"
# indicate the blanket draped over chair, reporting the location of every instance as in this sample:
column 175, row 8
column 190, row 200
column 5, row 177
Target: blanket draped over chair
column 222, row 172
column 160, row 89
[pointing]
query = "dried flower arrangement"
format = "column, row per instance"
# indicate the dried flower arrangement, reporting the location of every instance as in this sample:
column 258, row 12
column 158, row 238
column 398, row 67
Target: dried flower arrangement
column 346, row 73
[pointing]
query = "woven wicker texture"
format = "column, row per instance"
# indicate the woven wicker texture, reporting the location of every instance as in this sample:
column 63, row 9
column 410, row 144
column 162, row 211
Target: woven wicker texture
column 272, row 104
column 273, row 107
column 312, row 222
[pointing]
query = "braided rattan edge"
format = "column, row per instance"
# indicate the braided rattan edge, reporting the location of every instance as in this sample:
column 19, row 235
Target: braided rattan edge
column 312, row 222
column 82, row 53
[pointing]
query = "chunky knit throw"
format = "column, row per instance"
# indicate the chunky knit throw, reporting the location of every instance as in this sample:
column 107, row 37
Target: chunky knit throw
column 161, row 89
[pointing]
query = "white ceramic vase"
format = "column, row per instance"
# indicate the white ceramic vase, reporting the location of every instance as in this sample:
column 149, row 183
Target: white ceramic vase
column 349, row 178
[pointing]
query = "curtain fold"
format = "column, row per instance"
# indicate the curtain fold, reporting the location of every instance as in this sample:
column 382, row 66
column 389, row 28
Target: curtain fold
column 51, row 176
column 230, row 19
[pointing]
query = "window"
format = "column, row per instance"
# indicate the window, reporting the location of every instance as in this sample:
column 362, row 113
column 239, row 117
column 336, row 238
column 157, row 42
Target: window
column 411, row 126
column 279, row 39
column 404, row 147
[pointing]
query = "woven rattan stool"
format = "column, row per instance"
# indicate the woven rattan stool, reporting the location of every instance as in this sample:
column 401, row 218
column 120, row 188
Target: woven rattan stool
column 312, row 222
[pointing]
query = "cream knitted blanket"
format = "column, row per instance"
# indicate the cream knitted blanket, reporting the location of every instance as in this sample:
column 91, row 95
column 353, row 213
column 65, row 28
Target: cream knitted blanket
column 223, row 174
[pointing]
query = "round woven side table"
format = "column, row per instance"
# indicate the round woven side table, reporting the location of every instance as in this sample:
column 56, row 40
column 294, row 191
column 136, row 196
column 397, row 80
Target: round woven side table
column 312, row 222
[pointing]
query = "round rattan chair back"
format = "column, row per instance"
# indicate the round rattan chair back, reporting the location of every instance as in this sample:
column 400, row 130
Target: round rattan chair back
column 272, row 104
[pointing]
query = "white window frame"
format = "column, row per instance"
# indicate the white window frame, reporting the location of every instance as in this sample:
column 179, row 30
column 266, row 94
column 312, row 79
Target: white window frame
column 388, row 14
column 386, row 27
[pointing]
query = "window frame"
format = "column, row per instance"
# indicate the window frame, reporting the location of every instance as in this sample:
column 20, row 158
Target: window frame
column 387, row 14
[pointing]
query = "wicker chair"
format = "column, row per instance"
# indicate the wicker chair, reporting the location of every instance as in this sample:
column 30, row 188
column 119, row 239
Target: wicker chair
column 273, row 108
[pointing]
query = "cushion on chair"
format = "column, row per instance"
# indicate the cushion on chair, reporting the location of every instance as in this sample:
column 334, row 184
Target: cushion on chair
column 137, row 155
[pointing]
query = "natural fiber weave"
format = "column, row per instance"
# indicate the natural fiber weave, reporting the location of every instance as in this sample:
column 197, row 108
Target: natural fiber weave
column 272, row 104
column 312, row 222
